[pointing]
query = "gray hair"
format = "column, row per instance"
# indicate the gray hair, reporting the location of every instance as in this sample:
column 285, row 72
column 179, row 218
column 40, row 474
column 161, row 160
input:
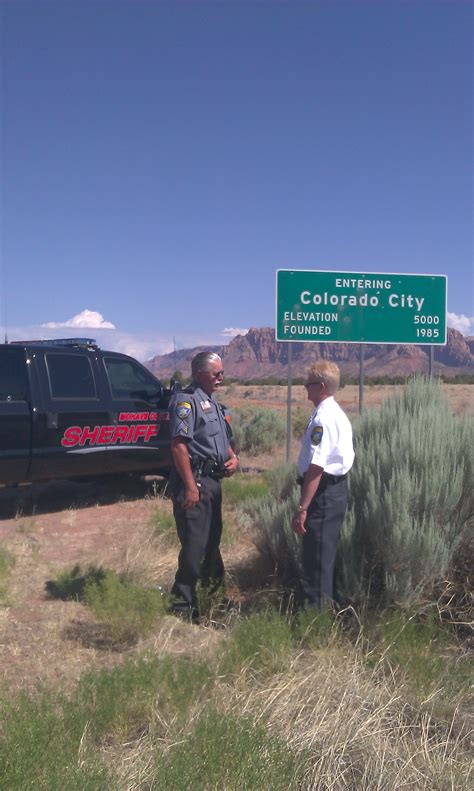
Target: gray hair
column 202, row 361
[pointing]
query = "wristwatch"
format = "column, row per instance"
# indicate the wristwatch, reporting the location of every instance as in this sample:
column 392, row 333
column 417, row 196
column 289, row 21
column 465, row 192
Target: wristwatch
column 301, row 510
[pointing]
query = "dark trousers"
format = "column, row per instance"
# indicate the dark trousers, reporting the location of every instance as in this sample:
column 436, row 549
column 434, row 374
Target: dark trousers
column 199, row 531
column 323, row 526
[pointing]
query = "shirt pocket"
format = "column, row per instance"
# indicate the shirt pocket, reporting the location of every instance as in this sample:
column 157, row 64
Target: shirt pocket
column 212, row 425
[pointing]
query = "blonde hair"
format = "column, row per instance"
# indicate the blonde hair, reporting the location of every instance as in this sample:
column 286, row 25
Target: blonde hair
column 327, row 372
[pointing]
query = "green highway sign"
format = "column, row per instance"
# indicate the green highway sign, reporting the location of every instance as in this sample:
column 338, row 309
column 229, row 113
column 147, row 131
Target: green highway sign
column 364, row 307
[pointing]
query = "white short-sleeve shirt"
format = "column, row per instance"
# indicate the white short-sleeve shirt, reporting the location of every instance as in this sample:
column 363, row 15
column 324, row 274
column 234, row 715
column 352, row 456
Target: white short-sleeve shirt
column 327, row 441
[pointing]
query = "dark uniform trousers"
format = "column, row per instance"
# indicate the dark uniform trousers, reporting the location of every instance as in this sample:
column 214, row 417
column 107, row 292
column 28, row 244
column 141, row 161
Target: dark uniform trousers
column 323, row 526
column 199, row 531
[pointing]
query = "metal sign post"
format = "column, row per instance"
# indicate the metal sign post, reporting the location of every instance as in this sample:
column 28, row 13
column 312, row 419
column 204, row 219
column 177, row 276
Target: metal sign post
column 361, row 378
column 288, row 405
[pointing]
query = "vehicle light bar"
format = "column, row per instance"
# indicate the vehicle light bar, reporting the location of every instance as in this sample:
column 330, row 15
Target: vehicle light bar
column 86, row 342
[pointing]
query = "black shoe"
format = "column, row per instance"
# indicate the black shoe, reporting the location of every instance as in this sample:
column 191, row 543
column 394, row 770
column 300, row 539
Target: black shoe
column 184, row 612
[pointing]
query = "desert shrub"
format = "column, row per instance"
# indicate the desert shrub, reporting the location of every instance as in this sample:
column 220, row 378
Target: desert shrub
column 299, row 421
column 71, row 583
column 282, row 480
column 269, row 518
column 258, row 430
column 260, row 642
column 127, row 610
column 412, row 495
column 227, row 751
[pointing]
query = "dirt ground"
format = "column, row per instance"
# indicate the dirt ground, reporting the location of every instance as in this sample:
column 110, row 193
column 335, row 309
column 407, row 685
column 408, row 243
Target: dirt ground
column 51, row 527
column 460, row 397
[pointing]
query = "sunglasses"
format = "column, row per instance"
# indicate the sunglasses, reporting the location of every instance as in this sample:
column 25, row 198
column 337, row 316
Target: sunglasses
column 217, row 374
column 309, row 384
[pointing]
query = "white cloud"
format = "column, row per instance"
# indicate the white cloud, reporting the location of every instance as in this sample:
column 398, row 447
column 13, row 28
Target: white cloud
column 231, row 332
column 87, row 319
column 462, row 323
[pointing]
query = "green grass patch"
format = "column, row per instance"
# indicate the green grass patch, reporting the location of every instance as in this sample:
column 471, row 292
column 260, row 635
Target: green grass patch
column 7, row 562
column 227, row 752
column 423, row 648
column 53, row 744
column 261, row 642
column 243, row 487
column 151, row 693
column 125, row 609
column 315, row 629
column 163, row 526
column 42, row 748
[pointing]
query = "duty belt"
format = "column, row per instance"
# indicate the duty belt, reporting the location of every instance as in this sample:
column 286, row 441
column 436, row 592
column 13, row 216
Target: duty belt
column 208, row 468
column 326, row 477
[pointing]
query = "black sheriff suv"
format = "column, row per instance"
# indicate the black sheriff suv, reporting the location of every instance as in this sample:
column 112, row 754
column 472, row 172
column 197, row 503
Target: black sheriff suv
column 69, row 409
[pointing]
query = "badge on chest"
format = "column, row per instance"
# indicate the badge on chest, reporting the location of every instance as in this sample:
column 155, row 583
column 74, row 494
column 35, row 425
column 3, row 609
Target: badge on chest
column 317, row 435
column 206, row 406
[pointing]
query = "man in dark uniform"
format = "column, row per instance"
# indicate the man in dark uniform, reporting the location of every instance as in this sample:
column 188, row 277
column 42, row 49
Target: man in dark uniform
column 202, row 455
column 326, row 457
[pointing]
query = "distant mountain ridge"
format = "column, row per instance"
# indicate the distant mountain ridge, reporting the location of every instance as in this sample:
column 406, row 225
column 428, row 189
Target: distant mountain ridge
column 258, row 354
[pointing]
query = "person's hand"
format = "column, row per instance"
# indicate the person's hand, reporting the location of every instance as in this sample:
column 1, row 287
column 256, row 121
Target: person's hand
column 297, row 523
column 191, row 496
column 231, row 466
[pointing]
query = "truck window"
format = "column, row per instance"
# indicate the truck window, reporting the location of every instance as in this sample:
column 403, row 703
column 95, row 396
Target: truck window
column 130, row 381
column 70, row 376
column 13, row 377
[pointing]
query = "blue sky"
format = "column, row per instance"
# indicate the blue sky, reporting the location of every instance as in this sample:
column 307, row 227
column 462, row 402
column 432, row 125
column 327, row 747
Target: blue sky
column 161, row 160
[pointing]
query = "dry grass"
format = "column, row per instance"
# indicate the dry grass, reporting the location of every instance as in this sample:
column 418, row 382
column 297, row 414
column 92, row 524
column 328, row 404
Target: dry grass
column 359, row 730
column 352, row 727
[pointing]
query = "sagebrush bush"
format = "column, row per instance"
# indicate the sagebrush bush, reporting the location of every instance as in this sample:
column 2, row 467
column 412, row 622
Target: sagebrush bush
column 258, row 430
column 411, row 498
column 411, row 495
column 299, row 421
column 269, row 518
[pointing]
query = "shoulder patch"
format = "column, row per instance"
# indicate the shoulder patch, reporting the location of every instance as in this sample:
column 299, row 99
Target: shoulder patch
column 183, row 408
column 317, row 435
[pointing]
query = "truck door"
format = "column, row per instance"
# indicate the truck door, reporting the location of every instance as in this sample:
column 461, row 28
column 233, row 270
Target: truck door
column 73, row 428
column 140, row 442
column 15, row 416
